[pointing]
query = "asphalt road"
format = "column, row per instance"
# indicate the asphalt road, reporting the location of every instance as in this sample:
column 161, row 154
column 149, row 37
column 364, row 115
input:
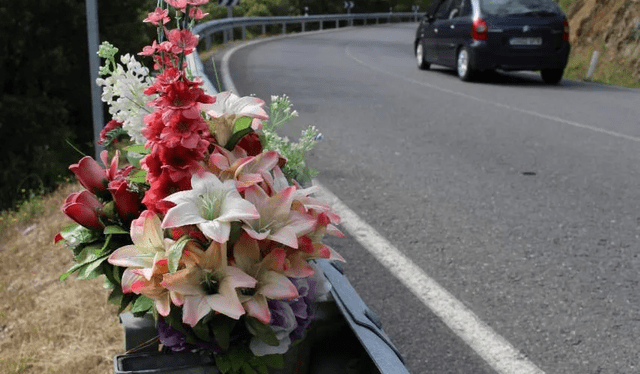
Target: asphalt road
column 520, row 199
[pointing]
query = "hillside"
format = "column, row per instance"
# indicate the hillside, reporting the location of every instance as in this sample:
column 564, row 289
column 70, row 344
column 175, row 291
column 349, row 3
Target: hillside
column 613, row 28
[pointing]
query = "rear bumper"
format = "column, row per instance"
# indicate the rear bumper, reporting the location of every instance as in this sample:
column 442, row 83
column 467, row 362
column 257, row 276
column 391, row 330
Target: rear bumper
column 482, row 58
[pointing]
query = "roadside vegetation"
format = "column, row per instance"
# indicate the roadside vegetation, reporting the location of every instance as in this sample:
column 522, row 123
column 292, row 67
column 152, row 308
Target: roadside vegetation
column 47, row 326
column 613, row 29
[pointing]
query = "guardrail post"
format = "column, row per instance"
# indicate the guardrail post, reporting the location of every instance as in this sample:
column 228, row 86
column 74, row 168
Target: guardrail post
column 207, row 42
column 320, row 24
column 225, row 36
column 337, row 24
column 244, row 33
column 264, row 29
column 303, row 26
column 377, row 20
column 284, row 27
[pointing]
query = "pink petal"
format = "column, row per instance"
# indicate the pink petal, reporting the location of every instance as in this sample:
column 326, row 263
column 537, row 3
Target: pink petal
column 163, row 304
column 216, row 230
column 237, row 278
column 131, row 256
column 246, row 252
column 194, row 309
column 128, row 278
column 258, row 308
column 286, row 236
column 299, row 268
column 226, row 302
column 254, row 234
column 185, row 281
column 181, row 215
column 277, row 287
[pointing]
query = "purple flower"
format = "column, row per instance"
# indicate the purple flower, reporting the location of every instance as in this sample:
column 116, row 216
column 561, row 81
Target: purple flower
column 170, row 337
column 177, row 341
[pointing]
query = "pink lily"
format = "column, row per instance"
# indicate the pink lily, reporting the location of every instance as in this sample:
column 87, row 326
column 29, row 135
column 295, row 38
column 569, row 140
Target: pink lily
column 148, row 284
column 270, row 283
column 209, row 285
column 84, row 208
column 149, row 244
column 227, row 108
column 277, row 221
column 146, row 261
column 211, row 205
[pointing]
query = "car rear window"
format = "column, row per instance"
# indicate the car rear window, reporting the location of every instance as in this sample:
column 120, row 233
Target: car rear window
column 539, row 8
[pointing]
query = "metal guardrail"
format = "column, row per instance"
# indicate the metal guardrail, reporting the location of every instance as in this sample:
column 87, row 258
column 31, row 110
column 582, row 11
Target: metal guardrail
column 228, row 25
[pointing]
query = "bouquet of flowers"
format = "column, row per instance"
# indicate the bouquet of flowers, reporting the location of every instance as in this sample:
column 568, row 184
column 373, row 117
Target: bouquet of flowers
column 197, row 215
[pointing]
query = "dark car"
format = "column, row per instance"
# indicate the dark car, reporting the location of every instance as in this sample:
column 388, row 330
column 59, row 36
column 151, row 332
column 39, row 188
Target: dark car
column 473, row 36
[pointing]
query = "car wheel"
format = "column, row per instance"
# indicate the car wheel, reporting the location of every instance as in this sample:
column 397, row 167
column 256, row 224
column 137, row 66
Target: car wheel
column 463, row 67
column 551, row 76
column 420, row 52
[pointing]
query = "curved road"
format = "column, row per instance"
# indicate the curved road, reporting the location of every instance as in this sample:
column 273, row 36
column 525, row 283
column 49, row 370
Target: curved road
column 519, row 198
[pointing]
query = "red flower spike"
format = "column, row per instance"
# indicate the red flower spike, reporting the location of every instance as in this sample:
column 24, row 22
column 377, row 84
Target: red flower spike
column 159, row 15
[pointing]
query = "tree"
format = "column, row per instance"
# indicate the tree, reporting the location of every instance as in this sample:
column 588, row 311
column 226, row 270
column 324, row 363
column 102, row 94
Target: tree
column 45, row 86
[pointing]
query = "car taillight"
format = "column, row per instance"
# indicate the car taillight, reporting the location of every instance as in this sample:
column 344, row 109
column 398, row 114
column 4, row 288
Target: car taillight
column 479, row 30
column 565, row 31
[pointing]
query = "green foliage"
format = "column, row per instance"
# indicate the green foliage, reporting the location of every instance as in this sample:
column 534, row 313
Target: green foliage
column 242, row 361
column 295, row 153
column 261, row 331
column 175, row 253
column 45, row 86
column 141, row 306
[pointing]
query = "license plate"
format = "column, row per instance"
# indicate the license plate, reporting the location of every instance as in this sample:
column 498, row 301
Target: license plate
column 525, row 41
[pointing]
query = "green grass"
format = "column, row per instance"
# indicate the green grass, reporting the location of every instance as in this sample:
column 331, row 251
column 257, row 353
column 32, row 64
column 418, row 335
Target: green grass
column 611, row 72
column 30, row 207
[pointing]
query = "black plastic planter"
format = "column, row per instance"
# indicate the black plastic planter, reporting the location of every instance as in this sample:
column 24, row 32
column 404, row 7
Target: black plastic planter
column 347, row 338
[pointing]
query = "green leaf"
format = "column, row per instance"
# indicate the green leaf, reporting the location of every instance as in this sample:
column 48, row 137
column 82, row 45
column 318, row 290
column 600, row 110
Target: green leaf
column 111, row 275
column 138, row 177
column 262, row 331
column 76, row 235
column 262, row 369
column 241, row 128
column 138, row 148
column 136, row 153
column 142, row 305
column 126, row 299
column 247, row 369
column 114, row 229
column 86, row 256
column 222, row 327
column 237, row 360
column 115, row 297
column 275, row 361
column 201, row 330
column 223, row 363
column 175, row 253
column 92, row 269
column 242, row 123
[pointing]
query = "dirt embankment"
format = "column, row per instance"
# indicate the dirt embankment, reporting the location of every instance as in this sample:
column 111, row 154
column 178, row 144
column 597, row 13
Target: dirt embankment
column 611, row 27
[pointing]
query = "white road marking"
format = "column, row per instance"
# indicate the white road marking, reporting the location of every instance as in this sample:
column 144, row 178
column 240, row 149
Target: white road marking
column 493, row 348
column 500, row 105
